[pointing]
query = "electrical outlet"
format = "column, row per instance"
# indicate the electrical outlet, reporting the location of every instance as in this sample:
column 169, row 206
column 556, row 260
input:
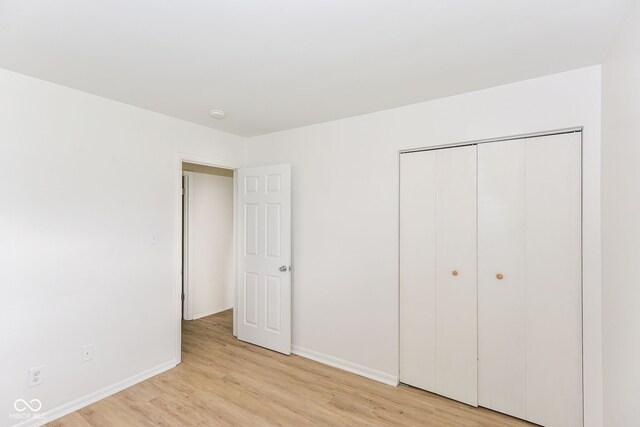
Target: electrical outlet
column 36, row 376
column 87, row 352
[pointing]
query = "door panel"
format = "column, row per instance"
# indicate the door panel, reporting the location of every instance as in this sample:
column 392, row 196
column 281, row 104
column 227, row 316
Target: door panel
column 456, row 274
column 554, row 280
column 501, row 302
column 417, row 270
column 250, row 224
column 250, row 297
column 264, row 246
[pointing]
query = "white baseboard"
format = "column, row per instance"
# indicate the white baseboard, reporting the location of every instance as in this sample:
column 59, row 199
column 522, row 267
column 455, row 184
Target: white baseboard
column 90, row 398
column 209, row 313
column 345, row 365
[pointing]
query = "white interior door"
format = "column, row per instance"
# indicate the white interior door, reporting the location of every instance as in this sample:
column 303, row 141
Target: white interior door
column 418, row 269
column 456, row 274
column 554, row 280
column 497, row 319
column 529, row 279
column 501, row 299
column 264, row 256
column 438, row 290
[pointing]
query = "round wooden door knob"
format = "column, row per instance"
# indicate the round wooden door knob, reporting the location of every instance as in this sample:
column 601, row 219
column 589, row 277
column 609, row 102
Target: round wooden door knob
column 499, row 276
column 454, row 272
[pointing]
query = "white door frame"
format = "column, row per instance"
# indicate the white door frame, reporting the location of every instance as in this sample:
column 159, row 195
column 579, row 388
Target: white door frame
column 187, row 213
column 204, row 161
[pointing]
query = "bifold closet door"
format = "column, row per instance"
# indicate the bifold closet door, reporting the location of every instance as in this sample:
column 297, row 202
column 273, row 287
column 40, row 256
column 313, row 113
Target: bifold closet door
column 418, row 269
column 529, row 279
column 554, row 280
column 438, row 272
column 456, row 274
column 501, row 302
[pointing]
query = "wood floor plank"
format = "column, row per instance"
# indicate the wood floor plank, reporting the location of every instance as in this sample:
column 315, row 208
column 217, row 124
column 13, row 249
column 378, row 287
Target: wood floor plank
column 226, row 382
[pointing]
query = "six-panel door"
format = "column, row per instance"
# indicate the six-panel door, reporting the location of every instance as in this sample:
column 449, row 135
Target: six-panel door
column 264, row 256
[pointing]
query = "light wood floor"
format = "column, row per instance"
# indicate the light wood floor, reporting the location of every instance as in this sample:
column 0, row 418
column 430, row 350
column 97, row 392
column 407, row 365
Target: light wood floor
column 223, row 381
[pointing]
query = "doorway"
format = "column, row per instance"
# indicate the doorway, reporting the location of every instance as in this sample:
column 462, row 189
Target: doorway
column 208, row 280
column 260, row 251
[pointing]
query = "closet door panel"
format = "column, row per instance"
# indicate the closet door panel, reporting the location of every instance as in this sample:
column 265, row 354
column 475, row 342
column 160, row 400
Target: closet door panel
column 554, row 280
column 417, row 269
column 501, row 302
column 456, row 274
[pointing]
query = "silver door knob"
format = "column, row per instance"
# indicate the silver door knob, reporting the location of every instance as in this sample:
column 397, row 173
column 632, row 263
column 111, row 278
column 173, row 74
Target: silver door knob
column 283, row 268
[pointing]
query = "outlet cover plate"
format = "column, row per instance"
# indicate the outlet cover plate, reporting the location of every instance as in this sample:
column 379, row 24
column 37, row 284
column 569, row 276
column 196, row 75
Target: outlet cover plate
column 36, row 376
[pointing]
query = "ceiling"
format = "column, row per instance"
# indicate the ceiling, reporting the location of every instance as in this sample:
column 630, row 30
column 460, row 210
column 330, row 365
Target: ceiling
column 278, row 64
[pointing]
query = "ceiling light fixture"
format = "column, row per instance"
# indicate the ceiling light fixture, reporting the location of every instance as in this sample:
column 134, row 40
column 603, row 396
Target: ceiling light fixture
column 217, row 114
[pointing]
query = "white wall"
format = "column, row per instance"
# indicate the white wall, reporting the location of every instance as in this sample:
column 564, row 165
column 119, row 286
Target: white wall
column 620, row 229
column 211, row 286
column 86, row 183
column 345, row 212
column 77, row 217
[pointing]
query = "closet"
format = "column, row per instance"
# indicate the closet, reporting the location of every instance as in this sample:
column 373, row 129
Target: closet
column 490, row 275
